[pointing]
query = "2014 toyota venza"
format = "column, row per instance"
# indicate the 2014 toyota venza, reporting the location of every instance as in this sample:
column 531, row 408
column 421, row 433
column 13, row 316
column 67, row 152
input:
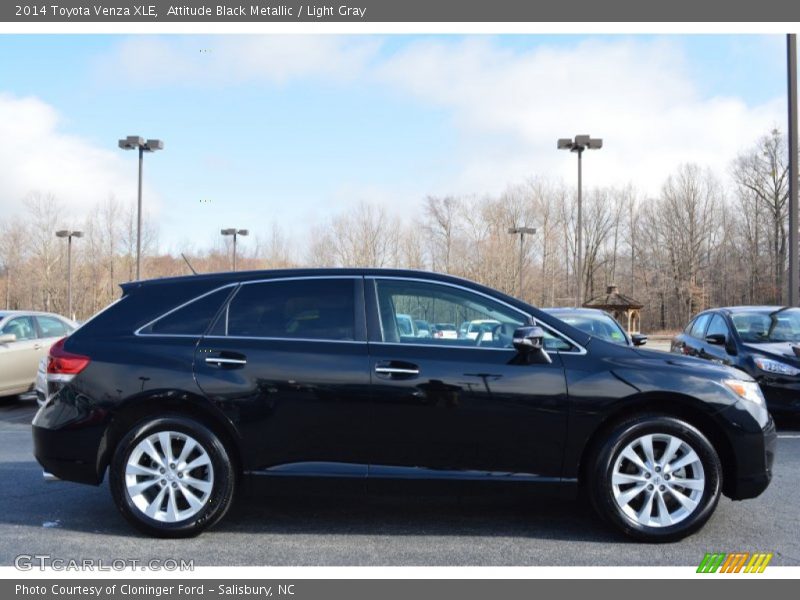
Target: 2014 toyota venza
column 186, row 386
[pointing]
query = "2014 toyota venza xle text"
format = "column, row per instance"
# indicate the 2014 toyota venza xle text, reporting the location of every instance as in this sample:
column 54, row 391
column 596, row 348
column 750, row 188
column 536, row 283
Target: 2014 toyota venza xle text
column 186, row 386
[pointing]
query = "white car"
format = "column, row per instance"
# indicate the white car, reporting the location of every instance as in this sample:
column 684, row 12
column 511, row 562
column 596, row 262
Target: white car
column 25, row 338
column 472, row 329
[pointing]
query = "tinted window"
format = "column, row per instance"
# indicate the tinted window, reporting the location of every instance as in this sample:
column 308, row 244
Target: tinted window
column 192, row 319
column 52, row 327
column 22, row 327
column 485, row 323
column 599, row 325
column 322, row 309
column 717, row 326
column 699, row 326
column 768, row 326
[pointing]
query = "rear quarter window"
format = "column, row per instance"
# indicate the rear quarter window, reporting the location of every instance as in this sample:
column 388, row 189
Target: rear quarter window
column 192, row 319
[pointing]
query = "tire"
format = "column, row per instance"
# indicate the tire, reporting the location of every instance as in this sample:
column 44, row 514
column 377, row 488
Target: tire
column 620, row 489
column 202, row 493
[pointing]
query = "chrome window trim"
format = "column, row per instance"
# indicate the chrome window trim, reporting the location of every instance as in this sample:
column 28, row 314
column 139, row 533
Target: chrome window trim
column 139, row 332
column 278, row 339
column 375, row 278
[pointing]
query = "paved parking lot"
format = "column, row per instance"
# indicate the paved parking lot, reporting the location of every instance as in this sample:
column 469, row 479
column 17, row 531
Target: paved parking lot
column 71, row 521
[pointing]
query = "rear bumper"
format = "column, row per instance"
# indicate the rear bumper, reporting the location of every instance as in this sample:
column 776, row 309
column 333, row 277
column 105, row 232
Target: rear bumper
column 68, row 438
column 65, row 455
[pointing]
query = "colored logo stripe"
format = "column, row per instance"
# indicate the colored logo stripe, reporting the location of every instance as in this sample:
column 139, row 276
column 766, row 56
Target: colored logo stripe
column 734, row 562
column 758, row 563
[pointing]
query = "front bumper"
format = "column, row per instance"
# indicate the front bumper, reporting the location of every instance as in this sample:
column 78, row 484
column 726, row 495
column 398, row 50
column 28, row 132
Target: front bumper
column 781, row 393
column 754, row 458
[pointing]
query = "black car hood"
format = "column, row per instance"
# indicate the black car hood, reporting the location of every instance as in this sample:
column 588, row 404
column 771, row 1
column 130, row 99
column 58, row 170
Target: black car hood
column 782, row 350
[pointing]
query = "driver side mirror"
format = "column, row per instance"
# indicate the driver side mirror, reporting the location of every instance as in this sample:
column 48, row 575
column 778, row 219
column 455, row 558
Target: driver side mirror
column 638, row 339
column 529, row 342
column 7, row 338
column 718, row 339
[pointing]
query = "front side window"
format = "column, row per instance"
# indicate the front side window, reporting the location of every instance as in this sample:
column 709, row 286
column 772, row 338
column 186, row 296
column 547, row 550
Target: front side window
column 22, row 327
column 319, row 309
column 484, row 323
column 718, row 326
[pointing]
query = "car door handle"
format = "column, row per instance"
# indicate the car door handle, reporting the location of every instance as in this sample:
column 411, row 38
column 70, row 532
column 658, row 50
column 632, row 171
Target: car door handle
column 396, row 369
column 225, row 361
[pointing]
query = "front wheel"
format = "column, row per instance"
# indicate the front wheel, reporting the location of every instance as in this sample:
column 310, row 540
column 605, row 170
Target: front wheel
column 656, row 478
column 172, row 477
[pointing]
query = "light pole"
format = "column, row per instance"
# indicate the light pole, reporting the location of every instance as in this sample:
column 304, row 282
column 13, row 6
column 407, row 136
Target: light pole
column 521, row 231
column 794, row 268
column 578, row 145
column 235, row 233
column 66, row 233
column 133, row 142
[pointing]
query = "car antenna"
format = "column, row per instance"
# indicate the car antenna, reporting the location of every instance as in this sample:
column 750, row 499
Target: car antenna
column 188, row 263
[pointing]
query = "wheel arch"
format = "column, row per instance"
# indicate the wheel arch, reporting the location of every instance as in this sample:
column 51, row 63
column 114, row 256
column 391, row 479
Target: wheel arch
column 161, row 403
column 675, row 405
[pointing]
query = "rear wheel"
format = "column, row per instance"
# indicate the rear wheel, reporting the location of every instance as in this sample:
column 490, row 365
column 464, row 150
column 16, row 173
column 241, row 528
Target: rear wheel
column 172, row 477
column 656, row 478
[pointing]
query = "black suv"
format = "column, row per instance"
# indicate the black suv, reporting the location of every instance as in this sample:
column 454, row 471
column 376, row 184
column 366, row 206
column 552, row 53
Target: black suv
column 185, row 385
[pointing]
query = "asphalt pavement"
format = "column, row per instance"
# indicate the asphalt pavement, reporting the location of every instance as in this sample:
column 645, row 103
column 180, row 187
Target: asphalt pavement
column 74, row 522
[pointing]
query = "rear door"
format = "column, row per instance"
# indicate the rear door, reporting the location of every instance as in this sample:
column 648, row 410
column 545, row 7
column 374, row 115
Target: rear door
column 287, row 358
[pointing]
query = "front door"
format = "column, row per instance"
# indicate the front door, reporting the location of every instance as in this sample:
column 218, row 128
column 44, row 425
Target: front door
column 469, row 406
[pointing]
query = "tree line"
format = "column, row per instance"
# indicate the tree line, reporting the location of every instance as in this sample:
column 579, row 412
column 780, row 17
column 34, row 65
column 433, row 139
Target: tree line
column 706, row 239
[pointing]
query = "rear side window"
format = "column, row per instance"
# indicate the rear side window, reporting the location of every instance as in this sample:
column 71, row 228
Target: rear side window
column 52, row 327
column 191, row 319
column 699, row 326
column 320, row 309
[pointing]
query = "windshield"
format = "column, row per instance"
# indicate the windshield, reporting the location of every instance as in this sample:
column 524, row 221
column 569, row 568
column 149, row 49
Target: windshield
column 761, row 327
column 600, row 325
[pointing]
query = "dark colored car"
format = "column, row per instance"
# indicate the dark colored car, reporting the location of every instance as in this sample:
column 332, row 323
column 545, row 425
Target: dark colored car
column 597, row 323
column 188, row 386
column 762, row 341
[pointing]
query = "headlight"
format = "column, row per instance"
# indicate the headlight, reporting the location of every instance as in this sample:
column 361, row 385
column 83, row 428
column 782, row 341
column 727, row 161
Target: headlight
column 773, row 366
column 747, row 390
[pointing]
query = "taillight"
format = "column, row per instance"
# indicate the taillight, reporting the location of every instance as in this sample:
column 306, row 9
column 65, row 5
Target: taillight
column 63, row 365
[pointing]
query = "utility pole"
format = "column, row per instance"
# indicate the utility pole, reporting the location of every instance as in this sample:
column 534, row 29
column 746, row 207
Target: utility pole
column 521, row 231
column 794, row 273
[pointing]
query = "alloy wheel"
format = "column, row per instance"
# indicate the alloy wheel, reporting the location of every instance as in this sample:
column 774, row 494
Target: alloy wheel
column 169, row 476
column 658, row 480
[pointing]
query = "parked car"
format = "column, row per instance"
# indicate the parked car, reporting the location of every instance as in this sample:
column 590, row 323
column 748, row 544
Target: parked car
column 423, row 328
column 472, row 329
column 188, row 385
column 40, row 386
column 26, row 337
column 762, row 341
column 597, row 323
column 446, row 331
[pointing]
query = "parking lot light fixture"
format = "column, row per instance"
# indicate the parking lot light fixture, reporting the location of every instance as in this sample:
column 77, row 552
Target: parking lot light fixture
column 578, row 145
column 521, row 231
column 134, row 142
column 66, row 233
column 235, row 233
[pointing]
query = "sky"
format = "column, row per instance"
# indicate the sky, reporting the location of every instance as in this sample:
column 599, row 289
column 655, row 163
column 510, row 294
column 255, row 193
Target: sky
column 290, row 129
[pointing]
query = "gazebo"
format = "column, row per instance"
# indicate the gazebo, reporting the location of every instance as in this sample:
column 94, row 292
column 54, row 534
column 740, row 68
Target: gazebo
column 623, row 308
